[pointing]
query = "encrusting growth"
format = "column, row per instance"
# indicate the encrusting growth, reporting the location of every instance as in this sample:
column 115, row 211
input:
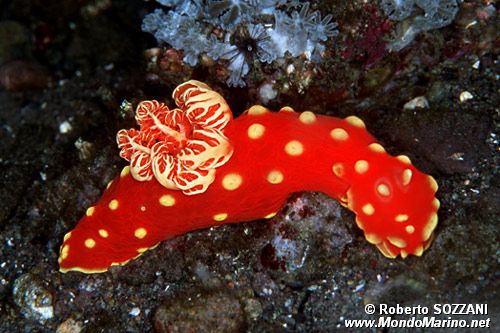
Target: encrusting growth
column 194, row 167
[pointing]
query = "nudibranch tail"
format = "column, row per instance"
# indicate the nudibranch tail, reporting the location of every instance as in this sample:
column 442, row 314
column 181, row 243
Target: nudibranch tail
column 195, row 167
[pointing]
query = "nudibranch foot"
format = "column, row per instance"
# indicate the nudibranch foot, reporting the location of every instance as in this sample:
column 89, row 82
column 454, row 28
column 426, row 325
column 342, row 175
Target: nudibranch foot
column 243, row 170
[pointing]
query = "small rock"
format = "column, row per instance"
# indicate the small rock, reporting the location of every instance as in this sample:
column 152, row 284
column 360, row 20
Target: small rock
column 219, row 312
column 418, row 102
column 33, row 298
column 20, row 75
column 465, row 96
column 70, row 326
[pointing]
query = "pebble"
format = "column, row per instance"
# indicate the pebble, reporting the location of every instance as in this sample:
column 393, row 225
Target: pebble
column 33, row 298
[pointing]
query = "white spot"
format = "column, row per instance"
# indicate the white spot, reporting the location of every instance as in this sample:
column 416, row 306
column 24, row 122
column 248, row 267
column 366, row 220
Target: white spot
column 134, row 312
column 287, row 109
column 418, row 102
column 113, row 204
column 361, row 166
column 167, row 200
column 376, row 147
column 368, row 209
column 338, row 169
column 407, row 174
column 220, row 217
column 429, row 227
column 410, row 229
column 125, row 171
column 339, row 134
column 256, row 131
column 396, row 241
column 90, row 211
column 232, row 181
column 275, row 177
column 64, row 252
column 65, row 127
column 405, row 159
column 294, row 148
column 401, row 218
column 89, row 243
column 373, row 238
column 465, row 96
column 270, row 216
column 140, row 233
column 307, row 117
column 355, row 121
column 383, row 190
column 257, row 110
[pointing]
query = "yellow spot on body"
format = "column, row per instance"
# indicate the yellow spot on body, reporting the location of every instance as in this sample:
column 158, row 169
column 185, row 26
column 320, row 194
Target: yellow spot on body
column 407, row 174
column 89, row 243
column 220, row 217
column 125, row 171
column 383, row 190
column 103, row 233
column 140, row 233
column 339, row 134
column 142, row 249
column 167, row 200
column 67, row 236
column 396, row 241
column 419, row 250
column 368, row 209
column 294, row 148
column 373, row 238
column 384, row 249
column 90, row 211
column 435, row 203
column 404, row 254
column 275, row 177
column 359, row 223
column 410, row 229
column 338, row 169
column 355, row 121
column 256, row 131
column 64, row 252
column 429, row 227
column 257, row 110
column 270, row 216
column 307, row 117
column 401, row 218
column 143, row 208
column 427, row 243
column 361, row 166
column 109, row 184
column 286, row 109
column 405, row 159
column 376, row 147
column 113, row 204
column 232, row 181
column 434, row 185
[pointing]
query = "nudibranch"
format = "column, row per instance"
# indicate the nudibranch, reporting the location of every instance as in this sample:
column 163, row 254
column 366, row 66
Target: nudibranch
column 195, row 166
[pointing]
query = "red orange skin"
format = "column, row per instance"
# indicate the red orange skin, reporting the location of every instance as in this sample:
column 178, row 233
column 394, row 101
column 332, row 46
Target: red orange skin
column 256, row 197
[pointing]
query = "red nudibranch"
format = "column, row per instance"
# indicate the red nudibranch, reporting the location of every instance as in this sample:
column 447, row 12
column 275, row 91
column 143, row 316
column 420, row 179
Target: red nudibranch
column 195, row 167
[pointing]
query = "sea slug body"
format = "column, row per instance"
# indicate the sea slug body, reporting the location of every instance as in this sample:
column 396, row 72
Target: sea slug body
column 195, row 167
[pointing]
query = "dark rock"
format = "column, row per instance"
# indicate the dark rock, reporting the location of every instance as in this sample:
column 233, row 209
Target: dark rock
column 218, row 312
column 14, row 42
column 20, row 75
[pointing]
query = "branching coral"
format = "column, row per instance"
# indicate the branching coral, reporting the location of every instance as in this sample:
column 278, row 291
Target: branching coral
column 246, row 31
